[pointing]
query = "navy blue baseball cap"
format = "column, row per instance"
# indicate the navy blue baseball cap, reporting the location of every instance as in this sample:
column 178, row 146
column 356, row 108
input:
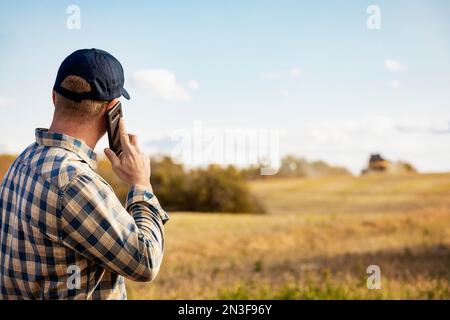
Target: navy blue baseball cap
column 101, row 70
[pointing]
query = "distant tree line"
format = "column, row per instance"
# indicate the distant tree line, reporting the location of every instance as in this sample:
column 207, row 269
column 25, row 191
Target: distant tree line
column 209, row 189
column 215, row 188
column 295, row 167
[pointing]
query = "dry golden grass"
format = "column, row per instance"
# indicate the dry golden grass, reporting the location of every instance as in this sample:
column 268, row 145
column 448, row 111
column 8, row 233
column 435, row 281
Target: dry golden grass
column 315, row 243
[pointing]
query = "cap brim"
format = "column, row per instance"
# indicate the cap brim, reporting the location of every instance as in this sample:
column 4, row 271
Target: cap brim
column 125, row 94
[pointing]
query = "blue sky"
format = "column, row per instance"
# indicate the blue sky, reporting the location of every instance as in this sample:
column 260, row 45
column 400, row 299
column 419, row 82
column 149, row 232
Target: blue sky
column 311, row 69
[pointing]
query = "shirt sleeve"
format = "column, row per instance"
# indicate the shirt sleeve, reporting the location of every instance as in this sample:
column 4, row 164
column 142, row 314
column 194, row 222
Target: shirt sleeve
column 95, row 224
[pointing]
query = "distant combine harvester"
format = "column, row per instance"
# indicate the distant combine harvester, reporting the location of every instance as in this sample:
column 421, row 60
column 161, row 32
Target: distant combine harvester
column 377, row 164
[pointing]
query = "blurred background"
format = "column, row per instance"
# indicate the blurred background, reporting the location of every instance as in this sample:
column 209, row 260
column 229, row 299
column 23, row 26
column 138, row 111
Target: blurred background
column 348, row 103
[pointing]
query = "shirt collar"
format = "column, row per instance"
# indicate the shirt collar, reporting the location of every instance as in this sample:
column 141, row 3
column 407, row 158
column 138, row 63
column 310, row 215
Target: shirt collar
column 80, row 148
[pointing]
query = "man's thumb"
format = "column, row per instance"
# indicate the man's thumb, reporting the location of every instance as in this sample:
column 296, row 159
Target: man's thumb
column 111, row 156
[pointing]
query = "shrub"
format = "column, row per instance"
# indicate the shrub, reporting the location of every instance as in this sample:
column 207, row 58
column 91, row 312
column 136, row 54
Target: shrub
column 170, row 182
column 218, row 189
column 211, row 189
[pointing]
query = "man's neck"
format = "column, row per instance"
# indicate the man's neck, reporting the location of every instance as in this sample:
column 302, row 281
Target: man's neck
column 87, row 134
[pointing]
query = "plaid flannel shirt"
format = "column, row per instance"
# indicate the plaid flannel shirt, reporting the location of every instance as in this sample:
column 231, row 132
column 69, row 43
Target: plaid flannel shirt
column 65, row 235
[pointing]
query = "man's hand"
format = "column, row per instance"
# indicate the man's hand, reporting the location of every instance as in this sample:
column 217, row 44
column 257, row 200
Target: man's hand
column 132, row 166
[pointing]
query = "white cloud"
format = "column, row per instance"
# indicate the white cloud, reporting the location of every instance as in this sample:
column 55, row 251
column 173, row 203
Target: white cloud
column 395, row 84
column 295, row 72
column 193, row 85
column 270, row 75
column 393, row 65
column 6, row 102
column 162, row 84
column 277, row 74
column 424, row 125
column 349, row 143
column 330, row 131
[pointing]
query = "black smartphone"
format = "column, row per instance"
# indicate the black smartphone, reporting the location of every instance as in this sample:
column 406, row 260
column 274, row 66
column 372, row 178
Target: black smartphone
column 113, row 116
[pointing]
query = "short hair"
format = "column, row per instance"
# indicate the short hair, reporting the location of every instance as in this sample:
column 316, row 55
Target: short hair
column 83, row 109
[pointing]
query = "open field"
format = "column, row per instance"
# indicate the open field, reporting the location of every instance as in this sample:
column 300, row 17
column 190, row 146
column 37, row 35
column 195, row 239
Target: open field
column 316, row 242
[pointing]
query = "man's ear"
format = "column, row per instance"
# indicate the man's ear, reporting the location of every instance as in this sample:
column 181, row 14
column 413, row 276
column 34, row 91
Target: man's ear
column 111, row 104
column 53, row 97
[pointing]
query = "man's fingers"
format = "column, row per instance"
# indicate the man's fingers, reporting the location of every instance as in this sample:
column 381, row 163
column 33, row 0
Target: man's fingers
column 124, row 139
column 115, row 161
column 133, row 139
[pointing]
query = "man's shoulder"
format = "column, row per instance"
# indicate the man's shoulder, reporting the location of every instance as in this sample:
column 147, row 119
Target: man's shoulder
column 56, row 165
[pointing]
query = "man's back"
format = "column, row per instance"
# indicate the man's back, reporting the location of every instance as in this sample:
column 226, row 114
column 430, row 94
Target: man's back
column 60, row 220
